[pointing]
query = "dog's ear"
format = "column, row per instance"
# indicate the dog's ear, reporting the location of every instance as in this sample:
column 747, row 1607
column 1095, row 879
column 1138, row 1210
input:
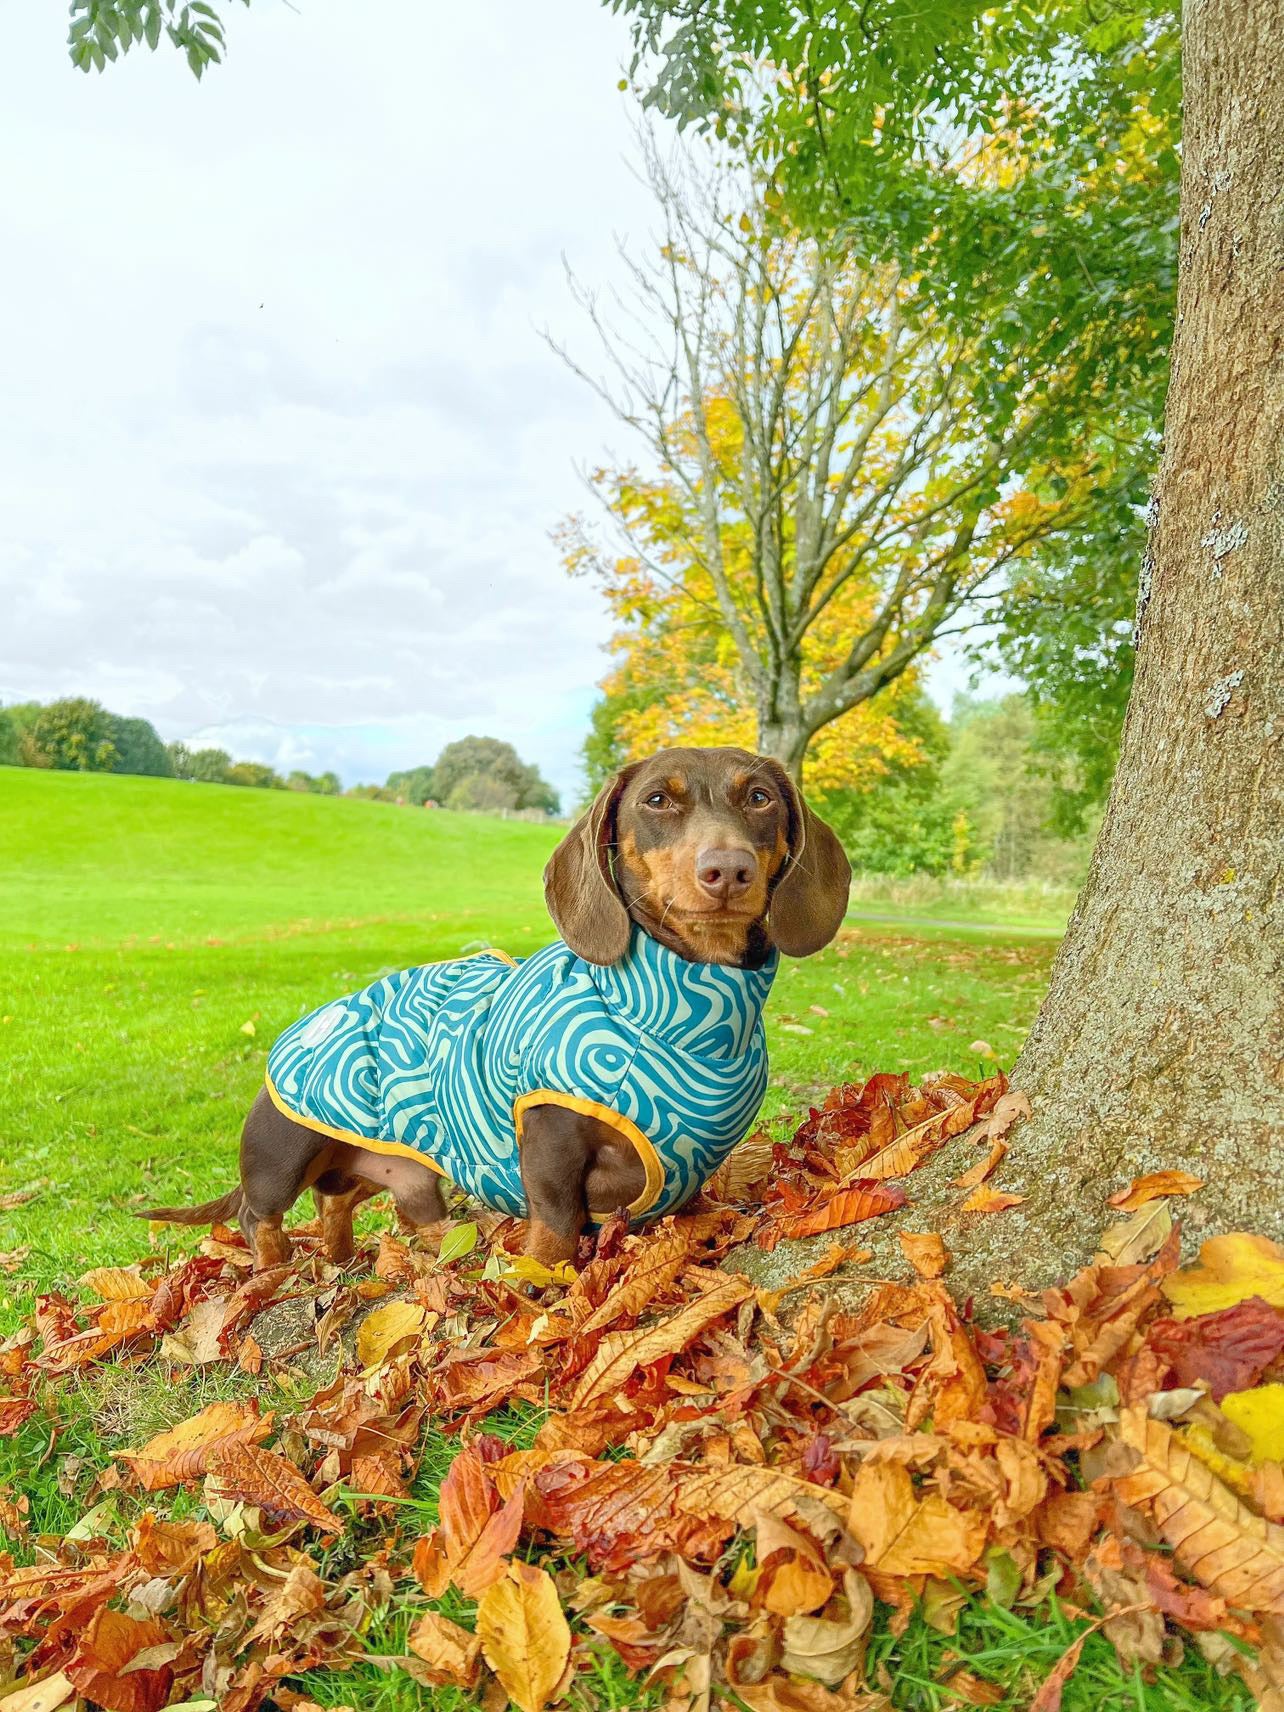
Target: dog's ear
column 579, row 885
column 810, row 897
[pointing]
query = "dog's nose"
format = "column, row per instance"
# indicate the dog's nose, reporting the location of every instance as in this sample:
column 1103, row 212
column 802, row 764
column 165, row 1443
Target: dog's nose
column 725, row 874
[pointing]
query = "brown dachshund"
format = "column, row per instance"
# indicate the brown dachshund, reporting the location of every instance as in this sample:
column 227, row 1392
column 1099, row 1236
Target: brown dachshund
column 713, row 855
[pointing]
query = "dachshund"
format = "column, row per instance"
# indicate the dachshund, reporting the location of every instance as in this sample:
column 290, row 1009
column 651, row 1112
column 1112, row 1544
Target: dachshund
column 613, row 1070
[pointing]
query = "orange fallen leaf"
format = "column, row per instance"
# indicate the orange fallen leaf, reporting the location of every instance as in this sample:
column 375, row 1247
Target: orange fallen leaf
column 831, row 1210
column 524, row 1635
column 449, row 1651
column 116, row 1284
column 248, row 1474
column 1154, row 1187
column 182, row 1453
column 987, row 1200
column 620, row 1354
column 984, row 1168
column 904, row 1535
column 104, row 1651
column 925, row 1251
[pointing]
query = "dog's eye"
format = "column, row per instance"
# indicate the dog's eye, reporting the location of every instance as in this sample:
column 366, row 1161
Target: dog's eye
column 758, row 798
column 658, row 799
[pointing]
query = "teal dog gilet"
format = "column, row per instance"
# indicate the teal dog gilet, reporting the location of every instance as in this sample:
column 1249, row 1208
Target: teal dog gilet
column 439, row 1062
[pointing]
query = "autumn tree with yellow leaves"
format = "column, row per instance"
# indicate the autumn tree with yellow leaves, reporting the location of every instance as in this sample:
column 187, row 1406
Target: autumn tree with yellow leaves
column 825, row 489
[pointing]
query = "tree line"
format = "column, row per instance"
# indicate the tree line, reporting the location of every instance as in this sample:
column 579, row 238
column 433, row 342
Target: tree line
column 77, row 734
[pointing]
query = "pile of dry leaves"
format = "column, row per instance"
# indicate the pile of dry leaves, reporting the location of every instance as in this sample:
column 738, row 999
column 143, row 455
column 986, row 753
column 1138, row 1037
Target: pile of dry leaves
column 723, row 1480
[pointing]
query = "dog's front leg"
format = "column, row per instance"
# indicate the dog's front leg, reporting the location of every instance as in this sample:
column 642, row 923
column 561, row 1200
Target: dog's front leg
column 557, row 1148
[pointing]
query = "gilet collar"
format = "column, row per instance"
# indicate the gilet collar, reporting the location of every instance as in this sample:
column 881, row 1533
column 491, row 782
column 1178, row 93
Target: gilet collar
column 704, row 1008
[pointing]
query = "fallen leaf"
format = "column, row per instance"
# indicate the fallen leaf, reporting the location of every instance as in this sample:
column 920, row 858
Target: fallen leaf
column 925, row 1251
column 46, row 1696
column 181, row 1454
column 973, row 1178
column 1260, row 1414
column 1154, row 1187
column 198, row 1341
column 116, row 1284
column 15, row 1412
column 1231, row 1269
column 449, row 1651
column 987, row 1200
column 851, row 1205
column 524, row 1635
column 903, row 1534
column 1139, row 1237
column 387, row 1326
column 620, row 1354
column 1214, row 1536
column 249, row 1475
column 104, row 1651
column 830, row 1648
column 1227, row 1350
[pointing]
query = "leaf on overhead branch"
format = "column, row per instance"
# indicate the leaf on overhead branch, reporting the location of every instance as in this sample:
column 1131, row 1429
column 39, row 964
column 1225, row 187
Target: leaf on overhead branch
column 524, row 1635
column 1153, row 1188
column 1214, row 1537
column 248, row 1475
column 1231, row 1268
column 620, row 1354
column 925, row 1251
column 830, row 1211
column 182, row 1453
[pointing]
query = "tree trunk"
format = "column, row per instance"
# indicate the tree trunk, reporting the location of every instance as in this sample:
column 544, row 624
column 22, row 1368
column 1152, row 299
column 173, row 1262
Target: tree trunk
column 785, row 742
column 1161, row 1043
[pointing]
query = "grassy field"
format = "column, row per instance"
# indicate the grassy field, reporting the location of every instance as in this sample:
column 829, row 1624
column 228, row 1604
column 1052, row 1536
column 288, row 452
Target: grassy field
column 154, row 938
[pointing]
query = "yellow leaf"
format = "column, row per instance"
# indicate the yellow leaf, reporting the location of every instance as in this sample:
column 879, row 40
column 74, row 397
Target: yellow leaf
column 1215, row 1538
column 524, row 1635
column 1260, row 1414
column 902, row 1534
column 116, row 1284
column 248, row 1028
column 182, row 1453
column 525, row 1269
column 389, row 1325
column 46, row 1696
column 1231, row 1268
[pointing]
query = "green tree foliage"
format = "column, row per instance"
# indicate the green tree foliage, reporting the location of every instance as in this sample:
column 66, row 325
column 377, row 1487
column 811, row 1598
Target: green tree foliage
column 211, row 766
column 10, row 737
column 478, row 773
column 139, row 749
column 256, row 774
column 73, row 735
column 861, row 123
column 102, row 30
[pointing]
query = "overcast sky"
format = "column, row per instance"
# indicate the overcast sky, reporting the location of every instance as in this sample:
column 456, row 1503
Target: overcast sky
column 282, row 444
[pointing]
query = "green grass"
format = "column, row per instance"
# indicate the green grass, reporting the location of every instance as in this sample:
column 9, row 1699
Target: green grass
column 1041, row 908
column 143, row 923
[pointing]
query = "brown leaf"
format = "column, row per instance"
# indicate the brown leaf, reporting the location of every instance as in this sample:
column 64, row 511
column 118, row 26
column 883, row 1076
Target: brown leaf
column 170, row 1548
column 1214, row 1537
column 524, row 1635
column 977, row 1174
column 197, row 1340
column 1140, row 1237
column 108, row 1645
column 249, row 1475
column 831, row 1210
column 15, row 1412
column 450, row 1652
column 183, row 1453
column 925, row 1251
column 1228, row 1350
column 622, row 1353
column 657, row 1267
column 117, row 1284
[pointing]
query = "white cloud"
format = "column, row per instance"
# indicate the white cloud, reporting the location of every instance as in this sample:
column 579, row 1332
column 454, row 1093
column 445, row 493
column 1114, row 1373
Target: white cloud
column 282, row 443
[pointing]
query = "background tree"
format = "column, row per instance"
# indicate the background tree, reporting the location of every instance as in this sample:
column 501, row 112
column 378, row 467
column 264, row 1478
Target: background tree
column 845, row 473
column 511, row 783
column 74, row 734
column 211, row 766
column 256, row 774
column 416, row 785
column 9, row 740
column 139, row 749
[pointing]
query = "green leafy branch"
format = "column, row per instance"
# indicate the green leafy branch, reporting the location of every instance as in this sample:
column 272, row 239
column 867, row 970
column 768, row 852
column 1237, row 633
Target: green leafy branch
column 102, row 30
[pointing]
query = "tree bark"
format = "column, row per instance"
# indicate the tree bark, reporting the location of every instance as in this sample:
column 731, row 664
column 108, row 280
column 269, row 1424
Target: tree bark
column 1161, row 1042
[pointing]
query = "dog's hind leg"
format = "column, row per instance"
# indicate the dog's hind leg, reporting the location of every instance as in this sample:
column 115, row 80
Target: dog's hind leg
column 279, row 1158
column 337, row 1197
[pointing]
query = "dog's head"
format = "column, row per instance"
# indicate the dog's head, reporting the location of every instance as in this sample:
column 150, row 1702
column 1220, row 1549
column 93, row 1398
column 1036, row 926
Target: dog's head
column 713, row 852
